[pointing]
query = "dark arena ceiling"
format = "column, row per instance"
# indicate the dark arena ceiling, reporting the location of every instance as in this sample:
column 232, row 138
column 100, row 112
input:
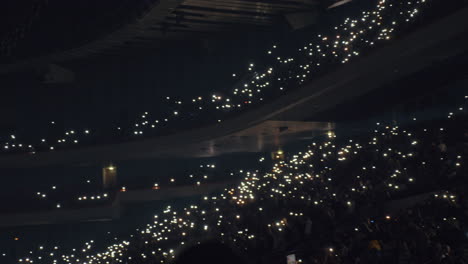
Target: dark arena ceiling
column 48, row 31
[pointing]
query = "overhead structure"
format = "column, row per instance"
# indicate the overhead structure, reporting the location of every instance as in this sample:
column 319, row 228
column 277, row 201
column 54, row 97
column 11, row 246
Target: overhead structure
column 266, row 128
column 179, row 19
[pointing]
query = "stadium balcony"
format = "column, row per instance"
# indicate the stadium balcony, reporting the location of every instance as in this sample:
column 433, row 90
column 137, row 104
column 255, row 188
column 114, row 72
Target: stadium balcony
column 272, row 116
column 107, row 206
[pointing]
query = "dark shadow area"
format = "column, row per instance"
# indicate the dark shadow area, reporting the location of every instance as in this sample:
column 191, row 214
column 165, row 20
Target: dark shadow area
column 209, row 252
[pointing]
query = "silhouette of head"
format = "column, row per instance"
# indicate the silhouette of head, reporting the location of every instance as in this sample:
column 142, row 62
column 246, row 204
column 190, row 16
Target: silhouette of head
column 207, row 253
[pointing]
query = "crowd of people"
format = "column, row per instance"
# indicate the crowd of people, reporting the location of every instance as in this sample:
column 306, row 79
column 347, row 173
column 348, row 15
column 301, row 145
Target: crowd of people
column 284, row 70
column 394, row 195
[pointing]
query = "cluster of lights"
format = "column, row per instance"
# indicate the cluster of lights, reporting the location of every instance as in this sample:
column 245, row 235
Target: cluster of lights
column 446, row 195
column 348, row 40
column 288, row 179
column 94, row 197
column 308, row 178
